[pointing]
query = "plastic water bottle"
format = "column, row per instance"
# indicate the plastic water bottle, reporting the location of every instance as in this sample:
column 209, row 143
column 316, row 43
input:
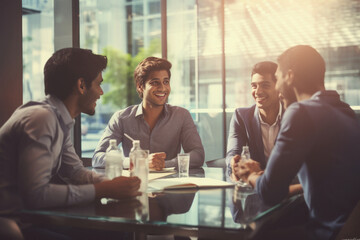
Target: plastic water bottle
column 132, row 157
column 142, row 212
column 113, row 160
column 142, row 169
column 245, row 154
column 139, row 164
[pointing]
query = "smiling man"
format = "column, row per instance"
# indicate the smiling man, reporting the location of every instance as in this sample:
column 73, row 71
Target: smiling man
column 318, row 141
column 162, row 129
column 39, row 166
column 257, row 126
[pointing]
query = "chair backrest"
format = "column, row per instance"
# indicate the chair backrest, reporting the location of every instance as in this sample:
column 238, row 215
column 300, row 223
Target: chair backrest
column 9, row 229
column 351, row 229
column 220, row 163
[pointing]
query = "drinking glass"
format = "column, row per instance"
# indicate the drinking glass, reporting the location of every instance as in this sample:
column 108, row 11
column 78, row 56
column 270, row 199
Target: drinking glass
column 183, row 164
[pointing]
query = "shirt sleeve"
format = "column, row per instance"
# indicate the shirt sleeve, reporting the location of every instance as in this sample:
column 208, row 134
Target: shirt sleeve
column 38, row 156
column 73, row 169
column 114, row 130
column 236, row 140
column 191, row 142
column 289, row 153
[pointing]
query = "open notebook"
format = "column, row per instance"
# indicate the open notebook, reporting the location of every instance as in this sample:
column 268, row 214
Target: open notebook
column 152, row 175
column 187, row 183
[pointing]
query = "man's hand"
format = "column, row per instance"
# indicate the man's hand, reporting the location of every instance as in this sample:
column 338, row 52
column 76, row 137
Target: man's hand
column 119, row 187
column 246, row 168
column 234, row 163
column 157, row 160
column 241, row 169
column 250, row 171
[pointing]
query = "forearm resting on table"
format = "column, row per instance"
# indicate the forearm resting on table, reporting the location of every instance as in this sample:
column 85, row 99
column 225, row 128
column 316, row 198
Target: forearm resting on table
column 293, row 189
column 102, row 189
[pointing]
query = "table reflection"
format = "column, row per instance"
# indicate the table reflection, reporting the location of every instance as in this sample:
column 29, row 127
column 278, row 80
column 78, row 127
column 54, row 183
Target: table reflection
column 245, row 205
column 225, row 210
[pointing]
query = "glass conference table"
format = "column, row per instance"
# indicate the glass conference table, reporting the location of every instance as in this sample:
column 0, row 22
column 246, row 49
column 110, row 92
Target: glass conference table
column 216, row 213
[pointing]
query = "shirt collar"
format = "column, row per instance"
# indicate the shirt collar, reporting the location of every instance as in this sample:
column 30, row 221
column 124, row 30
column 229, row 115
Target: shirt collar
column 326, row 93
column 278, row 118
column 140, row 112
column 60, row 110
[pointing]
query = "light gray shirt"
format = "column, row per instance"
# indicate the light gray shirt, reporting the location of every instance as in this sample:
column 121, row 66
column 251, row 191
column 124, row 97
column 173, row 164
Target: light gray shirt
column 35, row 147
column 174, row 129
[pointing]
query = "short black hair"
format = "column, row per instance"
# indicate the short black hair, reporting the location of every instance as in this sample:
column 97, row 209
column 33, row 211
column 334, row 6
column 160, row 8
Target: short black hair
column 308, row 67
column 66, row 66
column 148, row 65
column 263, row 68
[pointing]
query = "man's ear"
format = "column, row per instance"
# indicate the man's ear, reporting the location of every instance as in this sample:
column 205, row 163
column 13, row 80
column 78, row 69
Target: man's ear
column 80, row 86
column 290, row 80
column 139, row 88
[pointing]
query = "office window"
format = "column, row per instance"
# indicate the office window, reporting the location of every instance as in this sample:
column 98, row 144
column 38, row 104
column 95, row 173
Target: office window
column 126, row 32
column 261, row 30
column 38, row 45
column 194, row 48
column 254, row 31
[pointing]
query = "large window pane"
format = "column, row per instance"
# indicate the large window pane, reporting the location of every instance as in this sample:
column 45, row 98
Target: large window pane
column 38, row 45
column 126, row 32
column 260, row 30
column 194, row 48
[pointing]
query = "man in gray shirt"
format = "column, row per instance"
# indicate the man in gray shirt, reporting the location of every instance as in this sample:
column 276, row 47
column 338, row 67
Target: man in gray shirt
column 161, row 128
column 35, row 145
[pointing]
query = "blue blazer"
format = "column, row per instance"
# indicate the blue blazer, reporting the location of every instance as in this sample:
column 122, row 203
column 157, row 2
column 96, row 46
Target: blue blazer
column 245, row 129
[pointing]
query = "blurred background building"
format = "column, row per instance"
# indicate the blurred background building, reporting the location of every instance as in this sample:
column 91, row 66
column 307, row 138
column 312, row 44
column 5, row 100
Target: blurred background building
column 211, row 44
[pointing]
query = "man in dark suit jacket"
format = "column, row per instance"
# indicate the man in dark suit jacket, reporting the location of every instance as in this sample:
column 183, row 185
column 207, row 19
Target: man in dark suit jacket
column 257, row 126
column 318, row 141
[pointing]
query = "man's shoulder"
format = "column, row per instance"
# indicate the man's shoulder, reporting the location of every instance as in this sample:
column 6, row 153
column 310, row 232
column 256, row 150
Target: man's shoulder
column 245, row 112
column 33, row 118
column 37, row 111
column 176, row 109
column 126, row 112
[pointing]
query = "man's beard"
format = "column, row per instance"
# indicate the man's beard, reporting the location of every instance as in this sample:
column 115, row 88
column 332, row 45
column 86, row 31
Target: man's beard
column 287, row 96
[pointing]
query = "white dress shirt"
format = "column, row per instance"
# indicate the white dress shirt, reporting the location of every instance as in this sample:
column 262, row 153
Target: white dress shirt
column 269, row 133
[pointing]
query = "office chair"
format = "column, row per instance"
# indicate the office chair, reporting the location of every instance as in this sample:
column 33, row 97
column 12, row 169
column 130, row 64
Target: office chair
column 10, row 230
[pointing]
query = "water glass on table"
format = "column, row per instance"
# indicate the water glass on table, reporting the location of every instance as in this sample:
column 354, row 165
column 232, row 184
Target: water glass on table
column 183, row 164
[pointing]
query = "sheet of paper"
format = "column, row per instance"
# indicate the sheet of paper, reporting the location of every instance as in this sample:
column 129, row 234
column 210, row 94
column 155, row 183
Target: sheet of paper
column 152, row 176
column 191, row 182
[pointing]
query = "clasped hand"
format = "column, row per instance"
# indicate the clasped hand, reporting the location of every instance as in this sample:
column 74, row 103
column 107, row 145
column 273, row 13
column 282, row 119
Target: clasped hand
column 157, row 160
column 243, row 169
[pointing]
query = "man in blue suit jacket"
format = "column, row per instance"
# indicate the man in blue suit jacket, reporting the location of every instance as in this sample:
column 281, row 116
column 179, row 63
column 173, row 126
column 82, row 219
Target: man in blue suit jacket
column 257, row 126
column 318, row 140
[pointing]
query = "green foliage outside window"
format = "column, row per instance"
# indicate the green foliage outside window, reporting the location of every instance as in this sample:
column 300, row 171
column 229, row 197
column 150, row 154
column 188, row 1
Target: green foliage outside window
column 120, row 74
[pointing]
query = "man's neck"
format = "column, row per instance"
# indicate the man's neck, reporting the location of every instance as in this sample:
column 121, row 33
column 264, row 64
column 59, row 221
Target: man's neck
column 71, row 107
column 151, row 113
column 300, row 96
column 269, row 115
